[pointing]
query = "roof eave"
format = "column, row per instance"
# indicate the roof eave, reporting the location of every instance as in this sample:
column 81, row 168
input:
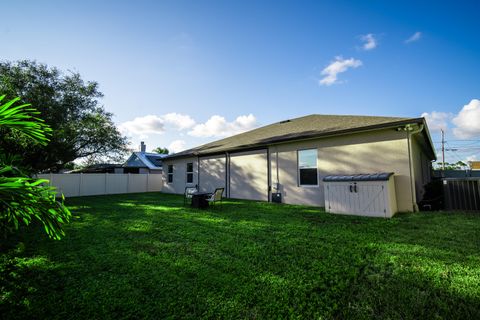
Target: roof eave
column 429, row 138
column 387, row 125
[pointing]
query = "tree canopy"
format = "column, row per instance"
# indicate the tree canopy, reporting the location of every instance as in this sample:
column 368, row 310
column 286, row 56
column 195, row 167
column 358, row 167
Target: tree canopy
column 70, row 106
column 161, row 150
column 459, row 165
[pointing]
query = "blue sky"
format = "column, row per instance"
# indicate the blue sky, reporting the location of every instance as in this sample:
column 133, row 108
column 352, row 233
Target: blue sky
column 179, row 74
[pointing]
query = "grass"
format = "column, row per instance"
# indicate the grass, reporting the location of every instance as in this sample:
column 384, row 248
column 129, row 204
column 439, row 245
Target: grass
column 146, row 256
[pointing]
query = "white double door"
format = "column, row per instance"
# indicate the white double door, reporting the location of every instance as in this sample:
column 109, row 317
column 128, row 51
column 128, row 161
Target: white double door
column 367, row 198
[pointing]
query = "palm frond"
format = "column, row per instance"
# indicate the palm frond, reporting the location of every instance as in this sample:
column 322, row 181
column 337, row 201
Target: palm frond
column 23, row 199
column 23, row 118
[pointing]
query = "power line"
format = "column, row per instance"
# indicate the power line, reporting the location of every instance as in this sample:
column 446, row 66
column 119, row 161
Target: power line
column 477, row 140
column 456, row 145
column 455, row 154
column 462, row 149
column 459, row 142
column 459, row 148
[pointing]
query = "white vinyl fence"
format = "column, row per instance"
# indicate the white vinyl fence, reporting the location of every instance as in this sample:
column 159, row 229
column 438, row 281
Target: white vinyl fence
column 89, row 184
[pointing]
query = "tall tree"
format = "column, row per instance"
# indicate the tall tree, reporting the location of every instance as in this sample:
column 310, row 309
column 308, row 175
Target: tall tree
column 459, row 165
column 161, row 150
column 70, row 106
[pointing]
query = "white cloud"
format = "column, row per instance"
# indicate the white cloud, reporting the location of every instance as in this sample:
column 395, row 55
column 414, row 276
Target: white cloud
column 156, row 124
column 176, row 146
column 471, row 158
column 414, row 37
column 143, row 125
column 370, row 42
column 437, row 121
column 335, row 67
column 217, row 126
column 467, row 121
column 180, row 121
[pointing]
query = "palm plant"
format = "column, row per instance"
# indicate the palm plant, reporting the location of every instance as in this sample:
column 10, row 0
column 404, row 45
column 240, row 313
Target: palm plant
column 23, row 198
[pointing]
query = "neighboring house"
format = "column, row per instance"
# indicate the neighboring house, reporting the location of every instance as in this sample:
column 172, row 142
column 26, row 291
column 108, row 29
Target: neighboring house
column 144, row 162
column 292, row 157
column 474, row 165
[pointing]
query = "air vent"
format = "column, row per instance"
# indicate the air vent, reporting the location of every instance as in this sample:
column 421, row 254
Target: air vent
column 285, row 121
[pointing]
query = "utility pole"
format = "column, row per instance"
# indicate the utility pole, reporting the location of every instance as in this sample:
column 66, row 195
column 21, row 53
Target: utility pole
column 443, row 150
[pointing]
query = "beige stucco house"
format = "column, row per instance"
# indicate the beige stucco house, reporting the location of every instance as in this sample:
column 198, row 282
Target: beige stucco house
column 292, row 157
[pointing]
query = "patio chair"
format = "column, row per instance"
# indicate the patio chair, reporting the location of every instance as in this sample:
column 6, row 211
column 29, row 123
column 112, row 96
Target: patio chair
column 216, row 196
column 188, row 194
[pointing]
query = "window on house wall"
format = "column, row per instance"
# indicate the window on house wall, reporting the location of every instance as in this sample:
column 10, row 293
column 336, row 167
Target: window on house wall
column 307, row 167
column 170, row 173
column 190, row 172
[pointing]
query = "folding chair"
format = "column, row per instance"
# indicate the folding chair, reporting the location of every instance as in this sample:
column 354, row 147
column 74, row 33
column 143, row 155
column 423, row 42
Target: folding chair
column 216, row 196
column 188, row 194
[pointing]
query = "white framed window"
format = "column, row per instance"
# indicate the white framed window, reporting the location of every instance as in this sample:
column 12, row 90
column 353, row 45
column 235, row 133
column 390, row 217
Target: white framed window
column 307, row 167
column 170, row 173
column 190, row 172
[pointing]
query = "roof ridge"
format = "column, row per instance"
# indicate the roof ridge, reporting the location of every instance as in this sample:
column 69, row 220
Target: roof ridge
column 143, row 157
column 296, row 128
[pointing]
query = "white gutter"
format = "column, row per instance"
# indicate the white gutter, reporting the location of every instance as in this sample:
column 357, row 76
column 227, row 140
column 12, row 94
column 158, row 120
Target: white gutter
column 410, row 132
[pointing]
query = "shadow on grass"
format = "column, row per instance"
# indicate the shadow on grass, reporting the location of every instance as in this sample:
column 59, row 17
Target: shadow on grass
column 148, row 256
column 384, row 291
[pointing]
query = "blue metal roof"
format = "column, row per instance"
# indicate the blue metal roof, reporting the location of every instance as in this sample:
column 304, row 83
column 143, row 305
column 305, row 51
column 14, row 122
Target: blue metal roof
column 145, row 159
column 382, row 176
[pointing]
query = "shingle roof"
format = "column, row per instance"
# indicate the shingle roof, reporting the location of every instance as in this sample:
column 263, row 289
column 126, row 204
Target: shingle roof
column 315, row 125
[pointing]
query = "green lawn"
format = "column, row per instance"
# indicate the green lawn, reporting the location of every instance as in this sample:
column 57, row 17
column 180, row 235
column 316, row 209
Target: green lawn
column 146, row 256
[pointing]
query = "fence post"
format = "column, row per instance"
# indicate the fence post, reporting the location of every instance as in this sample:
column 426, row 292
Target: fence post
column 80, row 185
column 128, row 183
column 148, row 176
column 106, row 183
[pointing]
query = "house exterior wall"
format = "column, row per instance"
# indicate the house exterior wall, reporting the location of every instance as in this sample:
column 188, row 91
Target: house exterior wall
column 368, row 152
column 421, row 166
column 249, row 175
column 212, row 173
column 179, row 174
column 246, row 173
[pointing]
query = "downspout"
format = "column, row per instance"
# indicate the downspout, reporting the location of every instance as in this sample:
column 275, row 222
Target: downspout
column 410, row 132
column 269, row 177
column 198, row 173
column 227, row 175
column 276, row 168
column 276, row 184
